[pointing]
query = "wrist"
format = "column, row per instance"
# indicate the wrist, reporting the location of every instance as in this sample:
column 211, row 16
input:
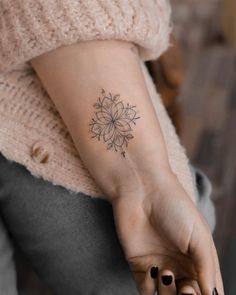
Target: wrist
column 161, row 180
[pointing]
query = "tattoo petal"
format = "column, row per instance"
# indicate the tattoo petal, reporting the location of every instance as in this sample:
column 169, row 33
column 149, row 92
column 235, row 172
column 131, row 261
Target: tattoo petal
column 108, row 132
column 122, row 125
column 118, row 139
column 109, row 146
column 97, row 129
column 129, row 114
column 129, row 136
column 103, row 117
column 117, row 110
column 106, row 104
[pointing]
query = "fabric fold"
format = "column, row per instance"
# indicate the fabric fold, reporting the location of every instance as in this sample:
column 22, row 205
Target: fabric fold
column 29, row 28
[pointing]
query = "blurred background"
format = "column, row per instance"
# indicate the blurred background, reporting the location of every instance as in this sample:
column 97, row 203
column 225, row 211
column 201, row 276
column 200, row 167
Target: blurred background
column 197, row 80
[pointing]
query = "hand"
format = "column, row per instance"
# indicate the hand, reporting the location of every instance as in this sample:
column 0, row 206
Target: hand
column 163, row 228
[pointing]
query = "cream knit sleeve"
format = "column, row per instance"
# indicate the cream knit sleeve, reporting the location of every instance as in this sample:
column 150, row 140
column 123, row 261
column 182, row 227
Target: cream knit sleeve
column 29, row 28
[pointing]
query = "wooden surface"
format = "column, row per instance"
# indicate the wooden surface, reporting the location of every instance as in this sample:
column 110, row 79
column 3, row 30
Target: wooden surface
column 229, row 20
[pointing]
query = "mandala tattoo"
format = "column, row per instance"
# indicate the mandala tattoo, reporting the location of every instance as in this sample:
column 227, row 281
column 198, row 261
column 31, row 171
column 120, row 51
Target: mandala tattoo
column 113, row 121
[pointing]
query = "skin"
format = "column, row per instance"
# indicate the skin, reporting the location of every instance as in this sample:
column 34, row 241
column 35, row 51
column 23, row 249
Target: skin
column 157, row 222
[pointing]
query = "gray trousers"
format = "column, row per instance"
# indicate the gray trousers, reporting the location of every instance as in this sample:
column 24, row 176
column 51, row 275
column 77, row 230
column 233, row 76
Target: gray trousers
column 69, row 239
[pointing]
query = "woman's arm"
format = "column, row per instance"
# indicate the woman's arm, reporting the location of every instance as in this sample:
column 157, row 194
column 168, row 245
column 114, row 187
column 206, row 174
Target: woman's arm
column 99, row 90
column 74, row 76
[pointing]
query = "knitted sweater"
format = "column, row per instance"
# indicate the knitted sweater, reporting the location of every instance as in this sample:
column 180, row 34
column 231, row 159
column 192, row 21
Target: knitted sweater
column 32, row 131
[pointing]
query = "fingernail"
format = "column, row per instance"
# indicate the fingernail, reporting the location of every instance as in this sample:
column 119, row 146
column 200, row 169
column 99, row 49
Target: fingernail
column 214, row 292
column 166, row 280
column 154, row 272
column 186, row 294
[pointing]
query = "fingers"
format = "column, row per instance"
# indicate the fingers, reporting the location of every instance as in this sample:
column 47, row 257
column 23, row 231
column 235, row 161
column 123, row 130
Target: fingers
column 219, row 281
column 148, row 284
column 187, row 290
column 188, row 287
column 204, row 261
column 166, row 283
column 161, row 281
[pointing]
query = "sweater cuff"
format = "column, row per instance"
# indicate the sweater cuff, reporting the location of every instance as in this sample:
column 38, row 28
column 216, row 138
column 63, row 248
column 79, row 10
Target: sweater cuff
column 29, row 28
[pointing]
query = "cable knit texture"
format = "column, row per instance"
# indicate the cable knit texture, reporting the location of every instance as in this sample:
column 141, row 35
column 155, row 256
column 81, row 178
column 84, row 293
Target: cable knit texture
column 29, row 28
column 32, row 132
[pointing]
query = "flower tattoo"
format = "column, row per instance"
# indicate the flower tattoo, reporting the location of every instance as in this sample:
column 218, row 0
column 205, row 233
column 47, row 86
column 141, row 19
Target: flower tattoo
column 113, row 121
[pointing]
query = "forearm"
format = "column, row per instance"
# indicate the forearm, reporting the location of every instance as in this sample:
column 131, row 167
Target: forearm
column 129, row 157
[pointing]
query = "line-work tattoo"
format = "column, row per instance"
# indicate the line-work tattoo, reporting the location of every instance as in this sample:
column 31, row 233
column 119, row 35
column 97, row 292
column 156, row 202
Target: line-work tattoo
column 113, row 121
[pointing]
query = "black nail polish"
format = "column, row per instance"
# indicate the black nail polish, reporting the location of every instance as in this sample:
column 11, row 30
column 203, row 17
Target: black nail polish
column 186, row 293
column 214, row 292
column 154, row 272
column 166, row 280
